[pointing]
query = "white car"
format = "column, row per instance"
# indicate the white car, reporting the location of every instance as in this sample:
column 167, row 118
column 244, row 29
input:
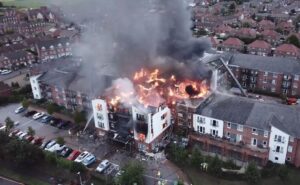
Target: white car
column 102, row 166
column 81, row 157
column 20, row 109
column 5, row 72
column 55, row 148
column 16, row 123
column 38, row 115
column 23, row 135
column 89, row 159
column 49, row 145
column 3, row 128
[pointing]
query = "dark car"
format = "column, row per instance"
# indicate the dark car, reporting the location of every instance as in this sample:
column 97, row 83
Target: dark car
column 38, row 141
column 54, row 121
column 64, row 124
column 30, row 113
column 65, row 152
column 46, row 119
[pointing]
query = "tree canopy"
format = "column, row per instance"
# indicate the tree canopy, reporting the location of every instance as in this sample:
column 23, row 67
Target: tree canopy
column 133, row 174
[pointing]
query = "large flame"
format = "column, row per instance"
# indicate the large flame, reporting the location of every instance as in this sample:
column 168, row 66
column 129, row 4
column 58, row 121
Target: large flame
column 152, row 89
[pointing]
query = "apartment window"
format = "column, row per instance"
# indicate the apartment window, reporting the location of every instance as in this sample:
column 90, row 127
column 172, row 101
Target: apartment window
column 254, row 131
column 274, row 82
column 240, row 128
column 213, row 132
column 266, row 134
column 290, row 149
column 265, row 73
column 228, row 134
column 296, row 77
column 264, row 88
column 274, row 75
column 34, row 88
column 284, row 91
column 254, row 141
column 180, row 115
column 295, row 85
column 33, row 81
column 214, row 123
column 265, row 143
column 200, row 119
column 288, row 159
column 278, row 138
column 291, row 139
column 201, row 130
column 163, row 116
column 276, row 158
column 239, row 137
column 265, row 80
column 228, row 125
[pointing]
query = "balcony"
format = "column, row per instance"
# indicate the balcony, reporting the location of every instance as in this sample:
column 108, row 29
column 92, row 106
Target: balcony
column 226, row 145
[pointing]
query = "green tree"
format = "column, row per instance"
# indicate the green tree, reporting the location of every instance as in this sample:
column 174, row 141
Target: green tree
column 77, row 167
column 23, row 154
column 178, row 154
column 4, row 139
column 283, row 172
column 293, row 39
column 79, row 117
column 60, row 141
column 133, row 174
column 30, row 131
column 25, row 103
column 9, row 124
column 52, row 107
column 196, row 157
column 232, row 7
column 214, row 166
column 252, row 174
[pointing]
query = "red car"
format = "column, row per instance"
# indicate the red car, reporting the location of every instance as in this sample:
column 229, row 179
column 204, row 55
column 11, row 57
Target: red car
column 73, row 155
column 29, row 138
column 37, row 141
column 13, row 133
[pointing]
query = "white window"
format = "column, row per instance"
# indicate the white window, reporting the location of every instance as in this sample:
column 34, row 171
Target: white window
column 290, row 149
column 295, row 85
column 273, row 89
column 253, row 141
column 240, row 128
column 291, row 139
column 273, row 82
column 228, row 134
column 239, row 137
column 266, row 133
column 265, row 73
column 201, row 129
column 200, row 119
column 296, row 77
column 228, row 125
column 274, row 75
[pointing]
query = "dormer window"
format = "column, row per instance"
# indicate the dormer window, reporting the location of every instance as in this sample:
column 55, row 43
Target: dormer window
column 43, row 48
column 51, row 47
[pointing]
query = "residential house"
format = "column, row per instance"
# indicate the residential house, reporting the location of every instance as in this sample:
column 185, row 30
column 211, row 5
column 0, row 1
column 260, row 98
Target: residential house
column 266, row 25
column 287, row 50
column 232, row 44
column 259, row 47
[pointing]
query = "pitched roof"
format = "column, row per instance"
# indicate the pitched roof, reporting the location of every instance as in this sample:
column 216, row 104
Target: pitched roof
column 233, row 42
column 253, row 113
column 266, row 23
column 270, row 33
column 260, row 44
column 262, row 63
column 288, row 48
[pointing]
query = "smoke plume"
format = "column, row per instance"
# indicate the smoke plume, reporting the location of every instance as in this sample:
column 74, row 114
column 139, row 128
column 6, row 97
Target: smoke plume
column 121, row 36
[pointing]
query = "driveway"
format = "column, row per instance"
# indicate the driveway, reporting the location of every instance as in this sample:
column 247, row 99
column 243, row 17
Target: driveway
column 6, row 181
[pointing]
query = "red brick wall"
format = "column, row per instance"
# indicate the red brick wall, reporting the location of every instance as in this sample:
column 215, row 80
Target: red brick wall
column 297, row 153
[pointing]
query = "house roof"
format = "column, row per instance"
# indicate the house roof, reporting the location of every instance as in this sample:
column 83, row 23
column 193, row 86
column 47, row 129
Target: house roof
column 270, row 64
column 253, row 113
column 265, row 22
column 270, row 33
column 288, row 48
column 52, row 42
column 233, row 42
column 260, row 44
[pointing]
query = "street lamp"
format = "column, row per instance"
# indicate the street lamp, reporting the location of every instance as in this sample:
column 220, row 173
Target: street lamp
column 79, row 178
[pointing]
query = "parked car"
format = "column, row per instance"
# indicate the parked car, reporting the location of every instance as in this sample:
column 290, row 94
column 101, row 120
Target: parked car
column 65, row 152
column 6, row 71
column 13, row 133
column 20, row 109
column 54, row 121
column 16, row 123
column 63, row 124
column 103, row 166
column 44, row 144
column 2, row 128
column 55, row 148
column 46, row 119
column 22, row 136
column 38, row 115
column 49, row 145
column 89, row 159
column 81, row 157
column 29, row 138
column 37, row 141
column 30, row 113
column 73, row 155
column 19, row 133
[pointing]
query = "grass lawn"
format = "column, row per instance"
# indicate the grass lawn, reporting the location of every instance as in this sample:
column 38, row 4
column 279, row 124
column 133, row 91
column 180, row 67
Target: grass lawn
column 24, row 3
column 200, row 178
column 17, row 177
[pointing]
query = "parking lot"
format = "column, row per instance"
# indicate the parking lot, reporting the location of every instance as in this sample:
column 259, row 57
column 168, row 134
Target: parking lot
column 100, row 147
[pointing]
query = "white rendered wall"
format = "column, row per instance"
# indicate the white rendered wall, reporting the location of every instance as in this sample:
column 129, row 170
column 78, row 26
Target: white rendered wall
column 207, row 124
column 36, row 90
column 278, row 157
column 100, row 114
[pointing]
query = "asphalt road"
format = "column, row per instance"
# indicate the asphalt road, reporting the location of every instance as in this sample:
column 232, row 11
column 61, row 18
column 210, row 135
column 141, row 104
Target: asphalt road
column 5, row 181
column 13, row 74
